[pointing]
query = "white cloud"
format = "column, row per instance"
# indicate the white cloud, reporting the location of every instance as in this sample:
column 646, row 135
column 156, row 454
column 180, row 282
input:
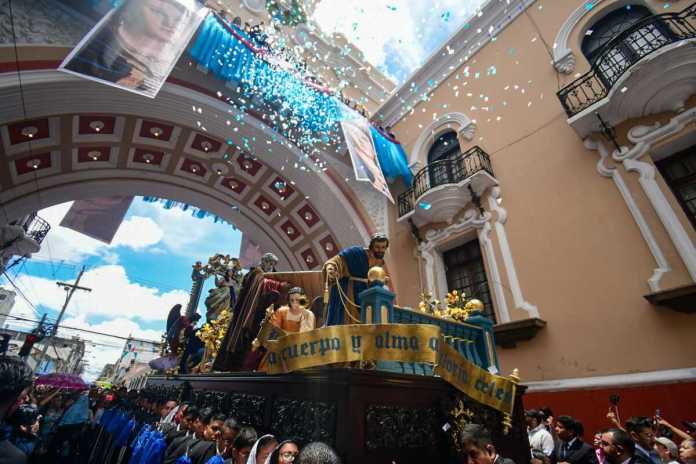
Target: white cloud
column 62, row 243
column 113, row 294
column 138, row 232
column 189, row 236
column 406, row 28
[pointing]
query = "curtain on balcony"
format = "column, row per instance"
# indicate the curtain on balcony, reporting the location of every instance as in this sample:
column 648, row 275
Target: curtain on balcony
column 392, row 158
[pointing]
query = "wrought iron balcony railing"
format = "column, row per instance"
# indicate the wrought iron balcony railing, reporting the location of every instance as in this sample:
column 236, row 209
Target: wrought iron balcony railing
column 36, row 228
column 622, row 52
column 448, row 171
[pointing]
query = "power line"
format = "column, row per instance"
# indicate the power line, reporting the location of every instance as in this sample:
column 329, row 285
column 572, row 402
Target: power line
column 88, row 331
column 21, row 293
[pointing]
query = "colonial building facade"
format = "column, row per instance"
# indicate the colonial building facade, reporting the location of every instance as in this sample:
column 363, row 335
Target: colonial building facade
column 552, row 144
column 553, row 147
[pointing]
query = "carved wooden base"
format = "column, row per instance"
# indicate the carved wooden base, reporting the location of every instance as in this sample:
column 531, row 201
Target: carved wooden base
column 368, row 416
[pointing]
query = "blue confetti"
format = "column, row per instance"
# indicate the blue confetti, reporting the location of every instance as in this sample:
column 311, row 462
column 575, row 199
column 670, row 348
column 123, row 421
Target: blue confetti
column 589, row 6
column 424, row 205
column 445, row 16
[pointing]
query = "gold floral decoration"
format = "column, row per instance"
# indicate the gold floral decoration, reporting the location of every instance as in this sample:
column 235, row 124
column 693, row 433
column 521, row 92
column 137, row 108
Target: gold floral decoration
column 212, row 333
column 456, row 307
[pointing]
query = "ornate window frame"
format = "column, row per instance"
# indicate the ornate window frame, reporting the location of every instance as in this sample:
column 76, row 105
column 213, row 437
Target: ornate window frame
column 437, row 241
column 563, row 56
column 464, row 126
column 644, row 138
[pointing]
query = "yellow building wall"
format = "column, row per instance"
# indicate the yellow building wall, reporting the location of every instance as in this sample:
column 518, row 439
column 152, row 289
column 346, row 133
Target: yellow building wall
column 579, row 254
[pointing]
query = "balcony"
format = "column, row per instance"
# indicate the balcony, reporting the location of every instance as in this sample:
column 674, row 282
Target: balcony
column 36, row 228
column 643, row 70
column 441, row 189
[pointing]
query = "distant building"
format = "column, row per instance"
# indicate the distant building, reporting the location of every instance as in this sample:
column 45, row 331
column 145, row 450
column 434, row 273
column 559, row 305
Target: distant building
column 7, row 299
column 63, row 355
column 134, row 361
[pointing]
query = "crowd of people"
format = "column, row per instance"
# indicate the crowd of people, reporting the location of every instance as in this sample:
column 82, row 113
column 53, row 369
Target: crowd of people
column 640, row 440
column 115, row 426
column 68, row 427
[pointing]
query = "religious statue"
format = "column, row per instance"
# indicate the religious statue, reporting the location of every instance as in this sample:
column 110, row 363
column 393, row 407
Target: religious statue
column 182, row 347
column 346, row 273
column 295, row 317
column 224, row 296
column 256, row 294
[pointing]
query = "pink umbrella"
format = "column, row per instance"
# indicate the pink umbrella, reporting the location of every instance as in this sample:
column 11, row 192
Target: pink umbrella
column 68, row 381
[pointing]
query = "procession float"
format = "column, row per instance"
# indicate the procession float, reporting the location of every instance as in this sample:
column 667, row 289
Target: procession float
column 395, row 383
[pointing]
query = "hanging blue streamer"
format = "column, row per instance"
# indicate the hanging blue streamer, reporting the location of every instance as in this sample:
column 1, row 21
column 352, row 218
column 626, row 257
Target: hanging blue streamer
column 313, row 111
column 195, row 212
column 392, row 158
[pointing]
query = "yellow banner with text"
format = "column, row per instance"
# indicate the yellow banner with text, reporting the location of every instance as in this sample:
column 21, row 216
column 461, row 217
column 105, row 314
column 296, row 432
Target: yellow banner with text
column 420, row 343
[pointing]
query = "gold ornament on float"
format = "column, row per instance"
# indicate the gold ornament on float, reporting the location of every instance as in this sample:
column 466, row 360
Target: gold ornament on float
column 456, row 307
column 474, row 306
column 376, row 274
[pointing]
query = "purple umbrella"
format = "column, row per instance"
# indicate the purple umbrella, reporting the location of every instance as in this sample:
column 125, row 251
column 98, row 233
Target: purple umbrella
column 67, row 381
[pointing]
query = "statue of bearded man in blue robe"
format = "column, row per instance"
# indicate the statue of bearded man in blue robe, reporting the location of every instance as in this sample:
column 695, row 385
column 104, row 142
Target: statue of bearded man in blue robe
column 347, row 275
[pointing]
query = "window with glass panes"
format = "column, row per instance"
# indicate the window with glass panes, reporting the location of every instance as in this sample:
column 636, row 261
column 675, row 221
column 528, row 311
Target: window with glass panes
column 612, row 62
column 466, row 273
column 445, row 147
column 679, row 171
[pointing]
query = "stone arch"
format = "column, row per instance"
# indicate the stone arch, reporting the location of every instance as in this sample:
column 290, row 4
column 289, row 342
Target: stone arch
column 323, row 212
column 459, row 122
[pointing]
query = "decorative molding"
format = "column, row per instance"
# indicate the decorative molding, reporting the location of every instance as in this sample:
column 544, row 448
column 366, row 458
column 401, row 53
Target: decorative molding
column 619, row 380
column 563, row 57
column 644, row 137
column 459, row 122
column 509, row 334
column 466, row 42
column 614, row 174
column 435, row 239
column 45, row 90
column 682, row 299
column 508, row 262
column 484, row 236
column 565, row 64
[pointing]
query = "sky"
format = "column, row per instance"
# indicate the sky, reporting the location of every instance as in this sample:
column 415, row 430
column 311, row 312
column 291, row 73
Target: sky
column 396, row 36
column 135, row 280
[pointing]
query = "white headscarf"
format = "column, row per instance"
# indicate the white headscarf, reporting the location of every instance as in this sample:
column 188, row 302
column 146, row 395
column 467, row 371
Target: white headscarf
column 170, row 416
column 252, row 455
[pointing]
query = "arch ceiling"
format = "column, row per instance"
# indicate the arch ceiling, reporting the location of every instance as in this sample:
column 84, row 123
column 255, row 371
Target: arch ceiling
column 81, row 139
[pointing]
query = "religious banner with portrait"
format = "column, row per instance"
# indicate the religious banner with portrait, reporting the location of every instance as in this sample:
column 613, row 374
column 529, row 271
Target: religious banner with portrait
column 417, row 343
column 136, row 45
column 356, row 132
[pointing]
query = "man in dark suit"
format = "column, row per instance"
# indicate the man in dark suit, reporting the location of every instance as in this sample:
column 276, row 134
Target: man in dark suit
column 619, row 448
column 570, row 448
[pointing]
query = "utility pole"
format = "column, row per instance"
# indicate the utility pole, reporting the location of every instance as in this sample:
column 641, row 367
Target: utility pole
column 70, row 288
